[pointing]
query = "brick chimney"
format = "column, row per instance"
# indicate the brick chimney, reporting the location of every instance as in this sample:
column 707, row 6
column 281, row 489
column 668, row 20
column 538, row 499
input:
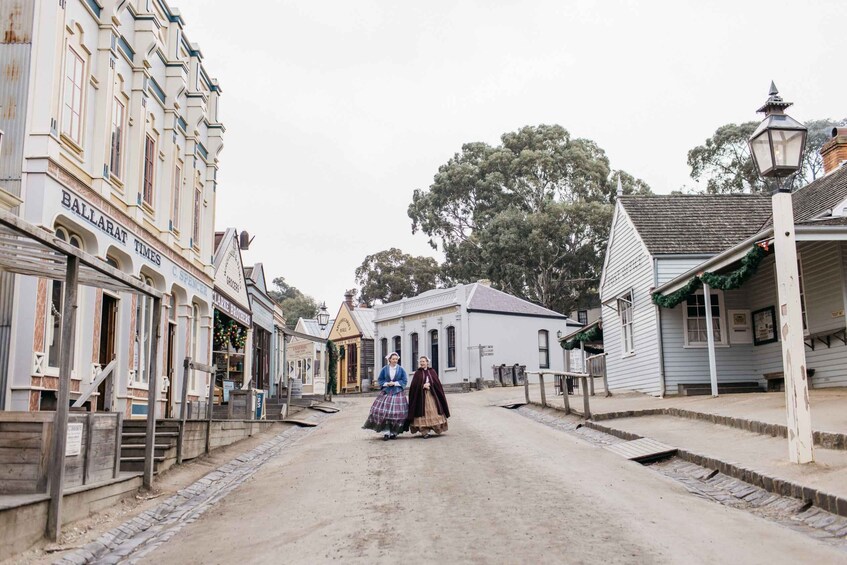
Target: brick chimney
column 348, row 298
column 834, row 151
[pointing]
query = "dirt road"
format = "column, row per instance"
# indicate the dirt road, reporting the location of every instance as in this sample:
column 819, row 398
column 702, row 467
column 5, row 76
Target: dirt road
column 497, row 488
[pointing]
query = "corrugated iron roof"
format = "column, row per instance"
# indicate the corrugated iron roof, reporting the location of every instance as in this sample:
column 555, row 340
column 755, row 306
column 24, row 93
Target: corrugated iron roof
column 364, row 318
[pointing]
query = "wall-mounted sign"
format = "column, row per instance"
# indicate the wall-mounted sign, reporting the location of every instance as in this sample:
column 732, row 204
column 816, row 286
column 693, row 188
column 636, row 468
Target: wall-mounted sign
column 73, row 444
column 764, row 326
column 229, row 308
column 740, row 330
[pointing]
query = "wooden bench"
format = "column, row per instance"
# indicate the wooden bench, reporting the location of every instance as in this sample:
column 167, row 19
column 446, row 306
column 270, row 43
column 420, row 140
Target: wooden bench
column 776, row 381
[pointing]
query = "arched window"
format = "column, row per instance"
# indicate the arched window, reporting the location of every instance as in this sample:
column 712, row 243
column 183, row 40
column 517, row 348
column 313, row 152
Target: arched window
column 433, row 349
column 543, row 349
column 415, row 349
column 396, row 344
column 143, row 333
column 57, row 293
column 451, row 347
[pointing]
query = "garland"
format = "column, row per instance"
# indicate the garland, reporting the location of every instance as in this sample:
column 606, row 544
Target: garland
column 228, row 332
column 749, row 265
column 593, row 334
column 341, row 352
column 332, row 367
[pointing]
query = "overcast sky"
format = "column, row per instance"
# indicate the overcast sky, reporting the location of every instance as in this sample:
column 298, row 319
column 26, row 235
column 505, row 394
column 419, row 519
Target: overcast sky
column 336, row 111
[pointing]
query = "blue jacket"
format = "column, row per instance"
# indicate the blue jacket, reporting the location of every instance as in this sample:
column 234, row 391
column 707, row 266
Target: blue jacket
column 400, row 376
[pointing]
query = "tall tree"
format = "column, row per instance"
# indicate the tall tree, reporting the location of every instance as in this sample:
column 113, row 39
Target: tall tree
column 725, row 164
column 294, row 304
column 390, row 275
column 506, row 213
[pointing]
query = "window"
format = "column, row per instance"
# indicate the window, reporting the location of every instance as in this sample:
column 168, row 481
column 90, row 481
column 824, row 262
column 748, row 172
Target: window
column 451, row 347
column 195, row 232
column 582, row 317
column 415, row 349
column 695, row 318
column 143, row 333
column 195, row 340
column 72, row 110
column 54, row 315
column 176, row 195
column 625, row 315
column 396, row 343
column 543, row 349
column 384, row 345
column 149, row 170
column 116, row 158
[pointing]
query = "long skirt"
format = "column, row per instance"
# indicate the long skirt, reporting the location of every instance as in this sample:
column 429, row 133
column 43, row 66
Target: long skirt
column 389, row 413
column 431, row 420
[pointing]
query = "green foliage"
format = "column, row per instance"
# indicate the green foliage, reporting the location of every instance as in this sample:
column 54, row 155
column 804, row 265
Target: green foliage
column 391, row 275
column 532, row 214
column 332, row 366
column 294, row 304
column 595, row 333
column 725, row 164
column 749, row 265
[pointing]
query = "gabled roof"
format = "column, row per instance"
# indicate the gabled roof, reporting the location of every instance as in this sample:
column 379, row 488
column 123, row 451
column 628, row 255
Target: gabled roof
column 695, row 224
column 311, row 327
column 483, row 298
column 364, row 318
column 820, row 196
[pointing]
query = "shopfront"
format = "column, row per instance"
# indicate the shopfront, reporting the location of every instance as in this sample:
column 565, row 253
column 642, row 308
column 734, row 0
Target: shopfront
column 263, row 327
column 233, row 319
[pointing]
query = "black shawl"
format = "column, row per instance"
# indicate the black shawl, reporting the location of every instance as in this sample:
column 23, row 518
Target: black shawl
column 416, row 394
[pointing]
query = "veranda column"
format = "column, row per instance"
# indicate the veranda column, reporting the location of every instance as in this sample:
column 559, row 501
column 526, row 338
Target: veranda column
column 710, row 338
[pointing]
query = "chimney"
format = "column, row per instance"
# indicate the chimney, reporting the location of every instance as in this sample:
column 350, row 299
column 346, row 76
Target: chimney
column 348, row 298
column 834, row 151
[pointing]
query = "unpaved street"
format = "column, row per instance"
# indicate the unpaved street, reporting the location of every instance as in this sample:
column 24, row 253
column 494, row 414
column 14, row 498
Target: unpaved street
column 497, row 488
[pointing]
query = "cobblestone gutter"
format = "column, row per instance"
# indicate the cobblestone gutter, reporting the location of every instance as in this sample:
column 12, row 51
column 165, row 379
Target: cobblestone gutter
column 137, row 537
column 797, row 507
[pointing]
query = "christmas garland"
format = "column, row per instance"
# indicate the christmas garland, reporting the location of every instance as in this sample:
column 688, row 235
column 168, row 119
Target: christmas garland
column 341, row 352
column 593, row 334
column 332, row 366
column 228, row 331
column 749, row 265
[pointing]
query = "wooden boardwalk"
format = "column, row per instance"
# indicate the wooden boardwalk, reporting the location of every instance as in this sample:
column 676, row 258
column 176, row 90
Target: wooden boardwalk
column 644, row 449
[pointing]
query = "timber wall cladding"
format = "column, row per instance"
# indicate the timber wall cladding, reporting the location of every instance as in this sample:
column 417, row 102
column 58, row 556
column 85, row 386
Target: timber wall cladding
column 26, row 441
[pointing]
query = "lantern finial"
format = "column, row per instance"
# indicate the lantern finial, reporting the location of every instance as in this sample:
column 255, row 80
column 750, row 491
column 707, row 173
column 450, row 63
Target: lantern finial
column 774, row 104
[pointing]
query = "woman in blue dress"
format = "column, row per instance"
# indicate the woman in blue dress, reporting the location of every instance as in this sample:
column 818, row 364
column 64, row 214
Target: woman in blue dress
column 390, row 411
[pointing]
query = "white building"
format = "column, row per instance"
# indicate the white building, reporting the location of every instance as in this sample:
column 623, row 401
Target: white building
column 306, row 358
column 112, row 146
column 448, row 326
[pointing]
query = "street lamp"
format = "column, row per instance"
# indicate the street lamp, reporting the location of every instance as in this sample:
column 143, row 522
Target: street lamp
column 777, row 149
column 323, row 319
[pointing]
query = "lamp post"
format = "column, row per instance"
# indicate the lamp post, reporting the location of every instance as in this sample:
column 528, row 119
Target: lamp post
column 323, row 319
column 777, row 149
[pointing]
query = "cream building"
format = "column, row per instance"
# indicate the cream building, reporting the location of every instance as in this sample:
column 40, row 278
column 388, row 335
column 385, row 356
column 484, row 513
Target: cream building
column 112, row 146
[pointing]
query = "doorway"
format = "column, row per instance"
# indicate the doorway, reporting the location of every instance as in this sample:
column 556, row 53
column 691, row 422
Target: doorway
column 170, row 354
column 108, row 327
column 433, row 340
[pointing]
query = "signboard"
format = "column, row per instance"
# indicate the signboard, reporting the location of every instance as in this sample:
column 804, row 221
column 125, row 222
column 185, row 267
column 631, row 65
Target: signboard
column 228, row 386
column 260, row 404
column 487, row 350
column 73, row 445
column 231, row 309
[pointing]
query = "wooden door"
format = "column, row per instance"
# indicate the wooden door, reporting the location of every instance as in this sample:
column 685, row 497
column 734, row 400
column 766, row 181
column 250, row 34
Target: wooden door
column 108, row 329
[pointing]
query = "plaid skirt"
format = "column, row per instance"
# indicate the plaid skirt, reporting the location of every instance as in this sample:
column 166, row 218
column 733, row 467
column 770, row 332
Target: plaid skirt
column 389, row 413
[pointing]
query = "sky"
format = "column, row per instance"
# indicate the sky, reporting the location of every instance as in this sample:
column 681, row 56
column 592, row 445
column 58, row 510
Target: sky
column 336, row 111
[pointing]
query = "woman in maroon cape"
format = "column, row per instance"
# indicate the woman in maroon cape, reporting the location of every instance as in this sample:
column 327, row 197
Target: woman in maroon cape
column 428, row 411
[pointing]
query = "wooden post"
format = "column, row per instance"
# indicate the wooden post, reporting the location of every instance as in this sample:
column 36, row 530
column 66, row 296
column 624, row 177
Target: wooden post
column 525, row 383
column 183, row 410
column 86, row 460
column 541, row 384
column 209, row 407
column 710, row 338
column 565, row 395
column 585, row 408
column 152, row 393
column 800, row 445
column 585, row 368
column 60, row 422
column 119, row 427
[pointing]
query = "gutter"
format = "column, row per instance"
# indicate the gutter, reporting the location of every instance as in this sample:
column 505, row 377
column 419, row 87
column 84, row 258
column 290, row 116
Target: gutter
column 658, row 314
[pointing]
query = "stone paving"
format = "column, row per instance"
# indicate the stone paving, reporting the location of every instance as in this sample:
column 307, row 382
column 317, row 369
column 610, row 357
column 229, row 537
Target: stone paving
column 712, row 485
column 143, row 534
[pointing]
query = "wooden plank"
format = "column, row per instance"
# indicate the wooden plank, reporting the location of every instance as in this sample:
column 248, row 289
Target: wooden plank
column 11, row 455
column 87, row 449
column 119, row 425
column 19, row 471
column 21, row 440
column 153, row 392
column 9, row 427
column 641, row 449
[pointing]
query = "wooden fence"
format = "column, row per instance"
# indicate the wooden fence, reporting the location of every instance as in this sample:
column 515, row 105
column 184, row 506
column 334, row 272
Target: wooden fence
column 25, row 440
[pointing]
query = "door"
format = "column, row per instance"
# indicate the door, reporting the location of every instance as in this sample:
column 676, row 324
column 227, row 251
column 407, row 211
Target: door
column 170, row 355
column 433, row 340
column 352, row 365
column 108, row 326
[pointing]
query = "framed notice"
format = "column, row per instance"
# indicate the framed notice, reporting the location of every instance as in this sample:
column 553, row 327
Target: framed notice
column 73, row 444
column 740, row 329
column 764, row 326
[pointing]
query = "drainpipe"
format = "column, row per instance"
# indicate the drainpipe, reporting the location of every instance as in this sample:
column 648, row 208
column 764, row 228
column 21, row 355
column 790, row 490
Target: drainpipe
column 657, row 309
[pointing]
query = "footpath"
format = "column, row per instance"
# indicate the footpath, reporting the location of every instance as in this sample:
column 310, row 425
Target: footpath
column 742, row 435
